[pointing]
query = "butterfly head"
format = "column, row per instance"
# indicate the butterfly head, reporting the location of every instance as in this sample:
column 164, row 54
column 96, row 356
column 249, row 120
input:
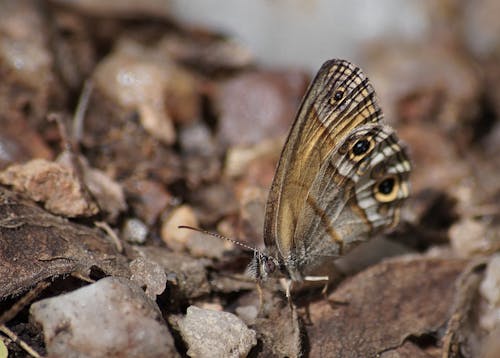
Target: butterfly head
column 263, row 266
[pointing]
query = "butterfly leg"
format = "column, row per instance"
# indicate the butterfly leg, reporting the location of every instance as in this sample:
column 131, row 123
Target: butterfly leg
column 261, row 299
column 316, row 278
column 324, row 291
column 320, row 278
column 287, row 284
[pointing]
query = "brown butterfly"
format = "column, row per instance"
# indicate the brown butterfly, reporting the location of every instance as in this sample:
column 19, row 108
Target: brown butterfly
column 342, row 177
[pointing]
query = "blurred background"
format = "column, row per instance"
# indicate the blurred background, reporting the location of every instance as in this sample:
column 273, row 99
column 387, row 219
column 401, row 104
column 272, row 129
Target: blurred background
column 306, row 33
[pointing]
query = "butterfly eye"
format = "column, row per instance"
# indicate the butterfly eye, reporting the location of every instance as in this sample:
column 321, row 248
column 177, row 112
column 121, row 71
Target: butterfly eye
column 386, row 189
column 270, row 266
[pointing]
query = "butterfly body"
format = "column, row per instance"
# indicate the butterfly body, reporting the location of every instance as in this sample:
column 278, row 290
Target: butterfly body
column 342, row 177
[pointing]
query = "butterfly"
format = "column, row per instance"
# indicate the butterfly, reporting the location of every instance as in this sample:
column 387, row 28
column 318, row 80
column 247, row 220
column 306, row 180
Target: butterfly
column 342, row 178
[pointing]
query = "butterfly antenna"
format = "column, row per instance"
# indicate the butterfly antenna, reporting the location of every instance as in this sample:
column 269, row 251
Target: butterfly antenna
column 236, row 242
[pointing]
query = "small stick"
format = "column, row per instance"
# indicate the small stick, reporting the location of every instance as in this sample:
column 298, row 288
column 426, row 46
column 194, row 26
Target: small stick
column 19, row 341
column 81, row 108
column 23, row 302
column 70, row 148
column 108, row 230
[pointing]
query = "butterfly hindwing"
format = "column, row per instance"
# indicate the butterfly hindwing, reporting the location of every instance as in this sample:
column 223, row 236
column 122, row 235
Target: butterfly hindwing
column 357, row 192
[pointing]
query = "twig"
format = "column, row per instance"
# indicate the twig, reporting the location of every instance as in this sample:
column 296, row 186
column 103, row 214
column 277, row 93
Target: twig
column 84, row 278
column 23, row 302
column 116, row 240
column 19, row 341
column 71, row 148
column 81, row 108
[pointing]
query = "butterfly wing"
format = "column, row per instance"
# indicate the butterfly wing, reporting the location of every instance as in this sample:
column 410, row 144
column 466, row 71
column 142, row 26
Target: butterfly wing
column 339, row 99
column 357, row 192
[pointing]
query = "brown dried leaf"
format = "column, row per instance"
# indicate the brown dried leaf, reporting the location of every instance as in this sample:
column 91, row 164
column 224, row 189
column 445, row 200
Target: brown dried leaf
column 35, row 245
column 462, row 333
column 386, row 304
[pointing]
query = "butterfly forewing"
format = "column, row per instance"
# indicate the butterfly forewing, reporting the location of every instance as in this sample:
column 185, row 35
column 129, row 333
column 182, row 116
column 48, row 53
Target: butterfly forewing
column 339, row 100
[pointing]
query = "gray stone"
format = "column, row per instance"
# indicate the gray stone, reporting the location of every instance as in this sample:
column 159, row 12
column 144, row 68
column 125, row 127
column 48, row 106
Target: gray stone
column 210, row 333
column 112, row 317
